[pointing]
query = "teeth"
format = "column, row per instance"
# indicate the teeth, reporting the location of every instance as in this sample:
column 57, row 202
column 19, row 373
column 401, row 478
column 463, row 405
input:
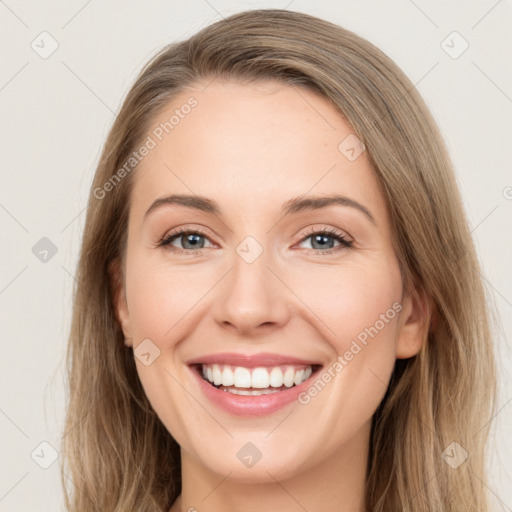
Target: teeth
column 299, row 377
column 242, row 377
column 289, row 375
column 217, row 375
column 276, row 377
column 261, row 378
column 228, row 379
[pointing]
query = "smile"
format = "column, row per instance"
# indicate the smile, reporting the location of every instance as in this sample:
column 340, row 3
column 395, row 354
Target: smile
column 241, row 380
column 252, row 384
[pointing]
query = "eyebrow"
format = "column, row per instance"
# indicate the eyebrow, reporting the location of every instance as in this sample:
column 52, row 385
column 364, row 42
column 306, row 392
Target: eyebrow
column 295, row 205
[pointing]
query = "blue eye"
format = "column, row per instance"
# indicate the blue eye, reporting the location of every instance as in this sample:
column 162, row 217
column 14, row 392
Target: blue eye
column 193, row 240
column 190, row 238
column 324, row 240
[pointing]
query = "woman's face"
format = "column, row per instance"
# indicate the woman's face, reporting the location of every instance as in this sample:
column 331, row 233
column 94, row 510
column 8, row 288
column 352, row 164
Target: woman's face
column 264, row 286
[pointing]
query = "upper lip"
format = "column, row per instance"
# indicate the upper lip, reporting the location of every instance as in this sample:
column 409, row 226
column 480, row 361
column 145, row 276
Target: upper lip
column 250, row 360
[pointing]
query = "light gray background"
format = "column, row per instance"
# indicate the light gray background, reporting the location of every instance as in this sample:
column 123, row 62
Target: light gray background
column 55, row 116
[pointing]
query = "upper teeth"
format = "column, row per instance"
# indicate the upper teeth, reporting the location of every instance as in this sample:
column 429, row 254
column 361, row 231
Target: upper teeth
column 260, row 377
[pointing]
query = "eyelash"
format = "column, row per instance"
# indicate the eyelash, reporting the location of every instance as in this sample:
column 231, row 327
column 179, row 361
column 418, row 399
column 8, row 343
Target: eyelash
column 332, row 233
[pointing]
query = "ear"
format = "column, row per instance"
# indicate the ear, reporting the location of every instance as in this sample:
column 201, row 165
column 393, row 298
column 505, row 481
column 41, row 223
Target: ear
column 415, row 323
column 119, row 298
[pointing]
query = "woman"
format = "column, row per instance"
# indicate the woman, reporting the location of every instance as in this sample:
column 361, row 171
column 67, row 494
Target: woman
column 279, row 304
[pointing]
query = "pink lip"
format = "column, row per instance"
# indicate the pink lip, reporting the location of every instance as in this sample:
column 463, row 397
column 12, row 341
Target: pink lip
column 249, row 361
column 255, row 405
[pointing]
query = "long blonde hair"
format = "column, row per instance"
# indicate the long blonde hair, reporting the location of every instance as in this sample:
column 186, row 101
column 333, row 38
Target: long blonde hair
column 118, row 455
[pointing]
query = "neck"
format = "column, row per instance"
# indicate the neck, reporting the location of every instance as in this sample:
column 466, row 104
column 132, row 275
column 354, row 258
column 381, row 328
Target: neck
column 337, row 484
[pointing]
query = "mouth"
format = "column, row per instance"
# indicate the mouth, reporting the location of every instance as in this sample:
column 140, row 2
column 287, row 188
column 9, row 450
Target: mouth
column 252, row 385
column 255, row 381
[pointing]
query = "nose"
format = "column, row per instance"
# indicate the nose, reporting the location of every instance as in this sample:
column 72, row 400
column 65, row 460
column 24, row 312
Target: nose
column 251, row 299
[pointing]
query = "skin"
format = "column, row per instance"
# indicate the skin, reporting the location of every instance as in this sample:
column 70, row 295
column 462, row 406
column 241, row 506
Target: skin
column 251, row 148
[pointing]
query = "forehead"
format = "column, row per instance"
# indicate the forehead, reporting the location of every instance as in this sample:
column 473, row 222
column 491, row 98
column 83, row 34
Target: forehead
column 254, row 144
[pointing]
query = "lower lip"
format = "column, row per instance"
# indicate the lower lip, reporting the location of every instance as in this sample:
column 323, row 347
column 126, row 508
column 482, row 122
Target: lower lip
column 253, row 405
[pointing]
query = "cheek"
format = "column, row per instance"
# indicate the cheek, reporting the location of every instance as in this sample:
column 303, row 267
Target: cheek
column 358, row 310
column 161, row 303
column 361, row 306
column 159, row 297
column 349, row 300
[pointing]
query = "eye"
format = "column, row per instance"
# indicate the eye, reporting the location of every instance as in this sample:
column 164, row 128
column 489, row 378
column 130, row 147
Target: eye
column 191, row 240
column 322, row 241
